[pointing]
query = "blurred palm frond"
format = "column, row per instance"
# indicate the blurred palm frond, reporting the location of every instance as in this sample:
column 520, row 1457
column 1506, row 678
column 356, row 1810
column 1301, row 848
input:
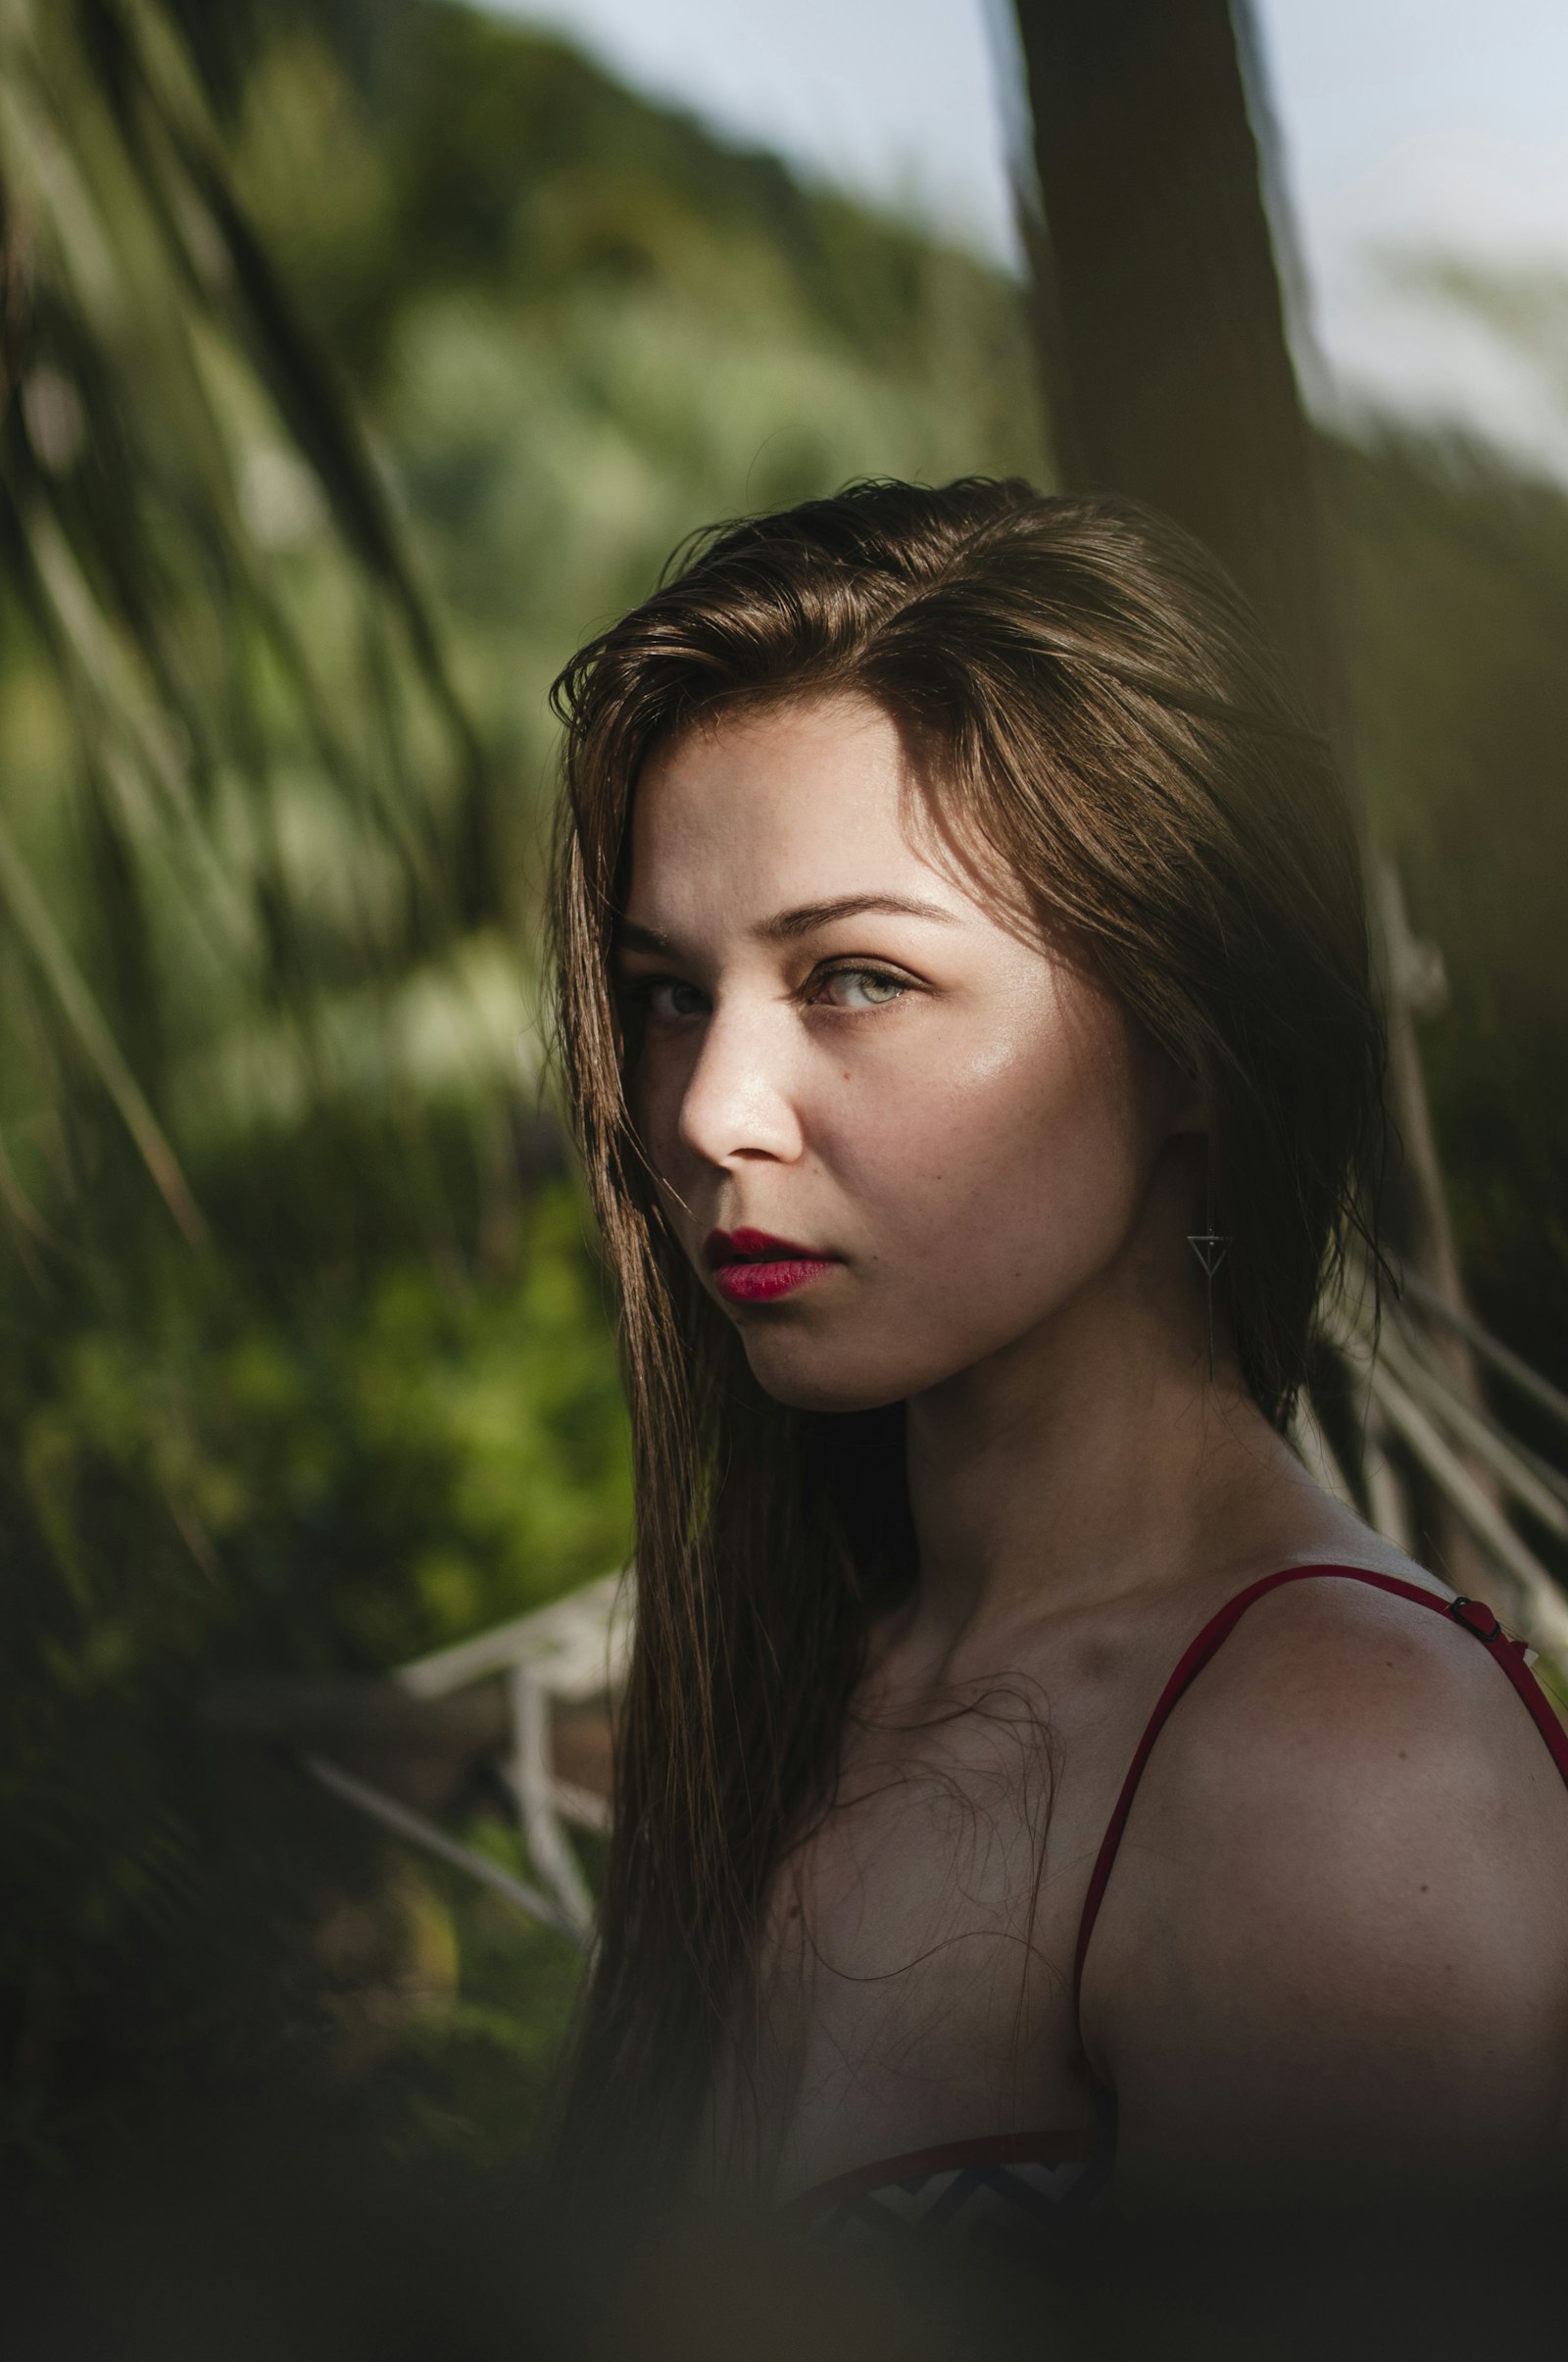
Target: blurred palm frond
column 277, row 786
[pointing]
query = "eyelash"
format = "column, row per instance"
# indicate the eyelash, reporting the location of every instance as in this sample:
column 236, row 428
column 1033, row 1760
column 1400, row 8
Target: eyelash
column 643, row 988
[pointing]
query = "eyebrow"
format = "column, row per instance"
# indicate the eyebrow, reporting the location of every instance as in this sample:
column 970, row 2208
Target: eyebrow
column 789, row 925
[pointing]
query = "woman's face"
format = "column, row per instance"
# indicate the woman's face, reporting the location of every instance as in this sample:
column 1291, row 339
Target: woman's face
column 893, row 1132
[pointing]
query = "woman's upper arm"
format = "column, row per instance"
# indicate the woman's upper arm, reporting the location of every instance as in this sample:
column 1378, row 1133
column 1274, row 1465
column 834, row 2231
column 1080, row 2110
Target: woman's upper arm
column 1338, row 1958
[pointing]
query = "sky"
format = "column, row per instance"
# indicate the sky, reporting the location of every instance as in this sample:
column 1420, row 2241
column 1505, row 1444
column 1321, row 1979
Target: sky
column 1408, row 127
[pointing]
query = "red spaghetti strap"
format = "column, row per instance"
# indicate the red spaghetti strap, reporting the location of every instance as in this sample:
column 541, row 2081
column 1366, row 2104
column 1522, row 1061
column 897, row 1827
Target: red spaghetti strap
column 1471, row 1613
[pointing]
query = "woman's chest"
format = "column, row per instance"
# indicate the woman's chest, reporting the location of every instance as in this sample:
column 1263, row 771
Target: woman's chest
column 914, row 1975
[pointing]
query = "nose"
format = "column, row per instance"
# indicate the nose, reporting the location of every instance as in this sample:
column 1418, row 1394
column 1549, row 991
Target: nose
column 739, row 1104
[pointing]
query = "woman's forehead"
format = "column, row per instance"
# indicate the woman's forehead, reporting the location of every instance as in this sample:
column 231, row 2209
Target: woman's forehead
column 763, row 811
column 792, row 805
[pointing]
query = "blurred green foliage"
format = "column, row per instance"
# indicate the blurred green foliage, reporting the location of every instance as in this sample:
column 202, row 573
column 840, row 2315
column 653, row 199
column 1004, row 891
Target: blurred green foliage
column 224, row 1485
column 338, row 1485
column 330, row 320
column 331, row 327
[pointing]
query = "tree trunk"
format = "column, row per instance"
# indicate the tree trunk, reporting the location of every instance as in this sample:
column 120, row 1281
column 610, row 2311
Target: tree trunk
column 1169, row 375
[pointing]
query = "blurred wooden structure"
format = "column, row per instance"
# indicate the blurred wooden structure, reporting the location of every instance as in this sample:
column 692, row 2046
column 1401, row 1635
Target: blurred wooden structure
column 516, row 1718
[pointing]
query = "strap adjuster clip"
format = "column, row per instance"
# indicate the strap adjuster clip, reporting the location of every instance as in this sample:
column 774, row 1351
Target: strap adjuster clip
column 1477, row 1617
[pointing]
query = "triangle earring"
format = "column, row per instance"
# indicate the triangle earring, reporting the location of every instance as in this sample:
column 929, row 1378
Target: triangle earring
column 1210, row 1246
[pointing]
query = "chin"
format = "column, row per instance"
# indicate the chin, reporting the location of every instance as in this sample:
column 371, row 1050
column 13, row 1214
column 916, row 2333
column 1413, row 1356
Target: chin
column 803, row 1379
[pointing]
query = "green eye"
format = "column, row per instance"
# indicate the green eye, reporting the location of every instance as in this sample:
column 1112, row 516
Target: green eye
column 866, row 987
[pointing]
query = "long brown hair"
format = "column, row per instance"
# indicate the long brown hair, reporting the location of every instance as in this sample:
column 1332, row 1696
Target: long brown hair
column 1087, row 701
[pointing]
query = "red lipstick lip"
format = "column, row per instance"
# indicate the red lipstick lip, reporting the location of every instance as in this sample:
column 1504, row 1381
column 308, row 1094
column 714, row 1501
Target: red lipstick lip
column 721, row 1248
column 753, row 1267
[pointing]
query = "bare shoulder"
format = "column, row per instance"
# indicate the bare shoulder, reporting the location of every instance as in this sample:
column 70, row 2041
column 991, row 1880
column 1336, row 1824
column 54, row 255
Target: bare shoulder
column 1344, row 1892
column 1357, row 1736
column 1359, row 1688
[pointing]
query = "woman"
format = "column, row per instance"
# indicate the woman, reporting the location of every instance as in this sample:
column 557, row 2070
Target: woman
column 964, row 1005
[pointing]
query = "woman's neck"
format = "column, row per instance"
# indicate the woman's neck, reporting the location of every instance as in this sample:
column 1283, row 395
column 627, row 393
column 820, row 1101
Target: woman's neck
column 1094, row 1457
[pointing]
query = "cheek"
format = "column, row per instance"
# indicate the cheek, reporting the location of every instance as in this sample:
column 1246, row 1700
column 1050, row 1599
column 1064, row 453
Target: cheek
column 982, row 1206
column 997, row 1154
column 984, row 1184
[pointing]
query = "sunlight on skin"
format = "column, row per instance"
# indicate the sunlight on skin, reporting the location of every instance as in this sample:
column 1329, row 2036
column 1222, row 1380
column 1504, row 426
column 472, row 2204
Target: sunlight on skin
column 1002, row 1168
column 970, row 1127
column 977, row 1177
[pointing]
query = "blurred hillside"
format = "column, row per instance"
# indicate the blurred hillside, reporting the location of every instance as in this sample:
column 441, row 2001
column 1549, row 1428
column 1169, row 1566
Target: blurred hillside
column 326, row 1378
column 582, row 327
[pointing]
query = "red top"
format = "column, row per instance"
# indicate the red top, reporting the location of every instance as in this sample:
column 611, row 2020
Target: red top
column 1042, row 2176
